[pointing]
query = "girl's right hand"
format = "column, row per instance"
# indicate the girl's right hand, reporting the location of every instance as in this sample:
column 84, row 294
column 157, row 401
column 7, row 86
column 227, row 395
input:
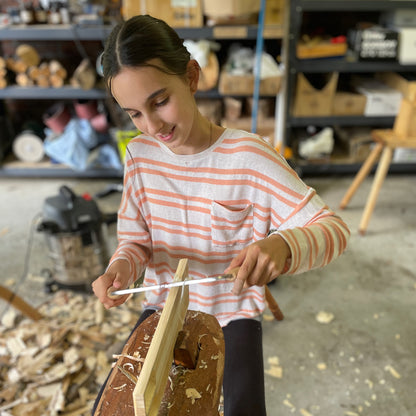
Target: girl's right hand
column 116, row 276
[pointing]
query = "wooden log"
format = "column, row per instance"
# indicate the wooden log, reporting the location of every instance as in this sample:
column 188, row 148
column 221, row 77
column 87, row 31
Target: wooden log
column 7, row 77
column 84, row 76
column 20, row 67
column 56, row 81
column 3, row 82
column 56, row 68
column 184, row 385
column 28, row 54
column 10, row 63
column 43, row 81
column 23, row 80
column 33, row 73
column 44, row 69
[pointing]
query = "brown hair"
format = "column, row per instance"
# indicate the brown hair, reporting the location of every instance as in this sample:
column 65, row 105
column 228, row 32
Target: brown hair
column 141, row 38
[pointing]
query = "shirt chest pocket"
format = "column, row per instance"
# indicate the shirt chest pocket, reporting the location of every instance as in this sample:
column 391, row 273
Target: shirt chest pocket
column 230, row 225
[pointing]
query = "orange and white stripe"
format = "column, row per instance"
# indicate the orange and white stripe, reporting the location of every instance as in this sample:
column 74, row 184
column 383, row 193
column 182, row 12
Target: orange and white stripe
column 207, row 207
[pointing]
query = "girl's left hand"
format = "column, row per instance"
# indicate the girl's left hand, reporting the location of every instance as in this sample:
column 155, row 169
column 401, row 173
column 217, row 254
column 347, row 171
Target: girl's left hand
column 260, row 262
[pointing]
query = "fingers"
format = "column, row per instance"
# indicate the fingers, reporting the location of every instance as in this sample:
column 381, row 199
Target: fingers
column 238, row 286
column 106, row 284
column 257, row 266
column 243, row 273
column 116, row 277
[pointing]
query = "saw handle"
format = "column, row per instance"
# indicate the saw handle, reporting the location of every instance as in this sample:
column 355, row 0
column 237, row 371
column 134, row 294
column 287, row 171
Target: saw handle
column 272, row 304
column 110, row 291
column 270, row 300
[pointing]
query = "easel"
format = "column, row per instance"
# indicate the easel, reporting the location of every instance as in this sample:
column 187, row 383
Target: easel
column 403, row 135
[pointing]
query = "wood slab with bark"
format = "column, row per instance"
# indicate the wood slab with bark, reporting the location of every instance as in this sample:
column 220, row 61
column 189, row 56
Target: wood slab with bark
column 147, row 381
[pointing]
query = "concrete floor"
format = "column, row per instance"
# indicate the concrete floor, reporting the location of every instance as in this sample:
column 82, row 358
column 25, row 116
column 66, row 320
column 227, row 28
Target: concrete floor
column 361, row 363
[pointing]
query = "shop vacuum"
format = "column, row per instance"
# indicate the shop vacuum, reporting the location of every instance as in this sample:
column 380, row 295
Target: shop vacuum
column 76, row 232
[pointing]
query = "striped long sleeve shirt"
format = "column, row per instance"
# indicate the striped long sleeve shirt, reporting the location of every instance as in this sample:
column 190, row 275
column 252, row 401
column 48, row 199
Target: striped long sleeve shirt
column 206, row 207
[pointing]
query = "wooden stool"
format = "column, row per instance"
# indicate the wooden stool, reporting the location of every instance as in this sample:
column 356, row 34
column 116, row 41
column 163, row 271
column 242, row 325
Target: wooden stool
column 386, row 142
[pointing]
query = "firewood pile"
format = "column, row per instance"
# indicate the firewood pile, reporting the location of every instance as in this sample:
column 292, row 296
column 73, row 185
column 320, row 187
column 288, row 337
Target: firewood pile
column 57, row 365
column 27, row 69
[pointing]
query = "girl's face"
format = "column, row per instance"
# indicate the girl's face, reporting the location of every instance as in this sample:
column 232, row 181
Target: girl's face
column 161, row 105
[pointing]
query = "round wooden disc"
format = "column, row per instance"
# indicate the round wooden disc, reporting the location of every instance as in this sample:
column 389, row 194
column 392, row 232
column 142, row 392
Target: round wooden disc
column 28, row 147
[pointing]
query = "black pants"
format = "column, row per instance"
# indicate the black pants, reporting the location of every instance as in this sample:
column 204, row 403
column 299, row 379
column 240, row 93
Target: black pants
column 243, row 371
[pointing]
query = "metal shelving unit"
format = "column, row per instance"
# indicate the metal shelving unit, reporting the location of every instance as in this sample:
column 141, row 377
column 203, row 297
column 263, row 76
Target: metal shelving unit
column 342, row 121
column 352, row 5
column 308, row 169
column 56, row 171
column 53, row 33
column 100, row 32
column 341, row 65
column 38, row 93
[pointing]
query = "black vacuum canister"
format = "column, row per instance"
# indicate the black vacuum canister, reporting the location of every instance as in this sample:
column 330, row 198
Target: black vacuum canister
column 74, row 230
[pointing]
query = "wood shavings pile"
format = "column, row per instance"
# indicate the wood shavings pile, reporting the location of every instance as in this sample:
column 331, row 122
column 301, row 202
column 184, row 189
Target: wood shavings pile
column 57, row 365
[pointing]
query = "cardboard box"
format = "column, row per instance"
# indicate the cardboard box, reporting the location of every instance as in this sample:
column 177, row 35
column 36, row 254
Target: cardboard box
column 314, row 100
column 348, row 104
column 233, row 108
column 404, row 155
column 374, row 44
column 244, row 84
column 407, row 46
column 265, row 128
column 221, row 8
column 399, row 18
column 355, row 143
column 265, row 108
column 274, row 14
column 403, row 83
column 381, row 99
column 211, row 109
column 176, row 13
column 322, row 49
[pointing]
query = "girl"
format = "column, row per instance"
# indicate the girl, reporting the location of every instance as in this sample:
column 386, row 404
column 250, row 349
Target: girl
column 219, row 197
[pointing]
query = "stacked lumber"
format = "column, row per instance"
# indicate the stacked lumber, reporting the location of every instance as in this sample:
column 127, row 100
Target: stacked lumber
column 57, row 364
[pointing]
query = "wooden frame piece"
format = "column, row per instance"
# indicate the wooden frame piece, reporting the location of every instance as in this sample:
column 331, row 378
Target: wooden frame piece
column 148, row 393
column 18, row 303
